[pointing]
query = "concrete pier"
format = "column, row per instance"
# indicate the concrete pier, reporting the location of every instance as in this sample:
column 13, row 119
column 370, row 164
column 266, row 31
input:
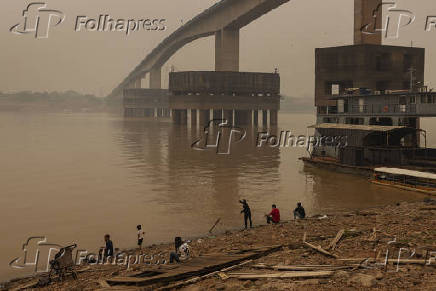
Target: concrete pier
column 265, row 118
column 227, row 50
column 256, row 117
column 273, row 118
column 156, row 78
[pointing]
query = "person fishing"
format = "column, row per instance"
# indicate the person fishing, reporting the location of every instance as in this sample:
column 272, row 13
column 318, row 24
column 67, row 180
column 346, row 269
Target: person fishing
column 247, row 212
column 299, row 212
column 273, row 216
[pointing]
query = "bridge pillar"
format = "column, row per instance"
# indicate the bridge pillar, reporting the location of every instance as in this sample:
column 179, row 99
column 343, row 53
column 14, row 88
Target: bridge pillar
column 156, row 78
column 227, row 50
column 137, row 83
column 256, row 117
column 265, row 118
column 273, row 117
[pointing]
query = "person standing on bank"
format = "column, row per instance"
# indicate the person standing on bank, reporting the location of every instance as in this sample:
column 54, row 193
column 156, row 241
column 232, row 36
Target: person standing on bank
column 140, row 237
column 109, row 248
column 247, row 212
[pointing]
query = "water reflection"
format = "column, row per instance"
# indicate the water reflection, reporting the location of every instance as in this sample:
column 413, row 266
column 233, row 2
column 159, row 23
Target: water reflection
column 190, row 179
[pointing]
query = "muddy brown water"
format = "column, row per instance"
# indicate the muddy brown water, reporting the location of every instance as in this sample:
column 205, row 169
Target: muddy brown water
column 76, row 177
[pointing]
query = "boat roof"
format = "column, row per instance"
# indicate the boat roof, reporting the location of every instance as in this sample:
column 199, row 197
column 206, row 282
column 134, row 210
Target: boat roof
column 380, row 128
column 405, row 172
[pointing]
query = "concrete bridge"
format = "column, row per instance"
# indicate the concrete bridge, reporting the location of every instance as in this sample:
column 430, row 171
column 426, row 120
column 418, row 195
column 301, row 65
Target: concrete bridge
column 223, row 20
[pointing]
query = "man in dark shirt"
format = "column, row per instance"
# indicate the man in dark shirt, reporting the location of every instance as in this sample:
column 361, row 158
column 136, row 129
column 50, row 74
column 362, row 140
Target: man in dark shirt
column 299, row 212
column 247, row 212
column 109, row 249
column 273, row 216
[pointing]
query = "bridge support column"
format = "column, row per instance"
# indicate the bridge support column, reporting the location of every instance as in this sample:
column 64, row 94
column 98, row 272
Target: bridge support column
column 137, row 83
column 227, row 50
column 265, row 118
column 228, row 115
column 204, row 117
column 273, row 118
column 243, row 117
column 193, row 117
column 256, row 117
column 156, row 78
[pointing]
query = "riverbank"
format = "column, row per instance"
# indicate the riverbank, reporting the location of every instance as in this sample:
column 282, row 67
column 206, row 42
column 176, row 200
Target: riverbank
column 368, row 234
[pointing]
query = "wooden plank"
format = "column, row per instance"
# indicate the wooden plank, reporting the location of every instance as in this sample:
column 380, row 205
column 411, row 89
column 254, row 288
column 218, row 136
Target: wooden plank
column 283, row 275
column 192, row 268
column 394, row 261
column 321, row 250
column 103, row 283
column 303, row 268
column 336, row 240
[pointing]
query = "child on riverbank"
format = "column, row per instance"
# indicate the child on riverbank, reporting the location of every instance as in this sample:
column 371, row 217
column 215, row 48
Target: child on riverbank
column 140, row 237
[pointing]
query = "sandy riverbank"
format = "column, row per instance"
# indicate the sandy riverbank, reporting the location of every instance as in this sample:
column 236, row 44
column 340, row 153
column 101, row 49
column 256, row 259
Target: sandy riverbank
column 368, row 234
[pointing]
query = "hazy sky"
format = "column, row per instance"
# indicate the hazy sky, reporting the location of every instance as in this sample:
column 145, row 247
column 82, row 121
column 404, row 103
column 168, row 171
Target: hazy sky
column 95, row 62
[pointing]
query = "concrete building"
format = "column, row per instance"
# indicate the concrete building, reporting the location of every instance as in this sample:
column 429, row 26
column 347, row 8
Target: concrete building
column 375, row 67
column 366, row 64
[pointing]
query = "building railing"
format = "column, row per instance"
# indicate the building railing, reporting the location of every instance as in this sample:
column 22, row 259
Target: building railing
column 379, row 109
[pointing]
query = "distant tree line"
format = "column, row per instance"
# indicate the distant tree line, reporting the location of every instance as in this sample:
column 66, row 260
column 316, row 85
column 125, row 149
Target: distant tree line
column 67, row 100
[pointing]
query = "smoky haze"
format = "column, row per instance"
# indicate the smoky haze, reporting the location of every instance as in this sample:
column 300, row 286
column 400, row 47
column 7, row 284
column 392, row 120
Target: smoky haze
column 96, row 62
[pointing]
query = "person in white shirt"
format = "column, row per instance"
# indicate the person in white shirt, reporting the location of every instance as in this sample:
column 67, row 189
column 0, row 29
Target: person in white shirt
column 140, row 237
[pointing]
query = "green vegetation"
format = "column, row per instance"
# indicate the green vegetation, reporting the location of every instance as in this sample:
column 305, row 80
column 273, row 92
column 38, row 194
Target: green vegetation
column 51, row 101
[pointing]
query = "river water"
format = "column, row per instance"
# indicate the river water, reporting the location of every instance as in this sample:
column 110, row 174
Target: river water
column 76, row 177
